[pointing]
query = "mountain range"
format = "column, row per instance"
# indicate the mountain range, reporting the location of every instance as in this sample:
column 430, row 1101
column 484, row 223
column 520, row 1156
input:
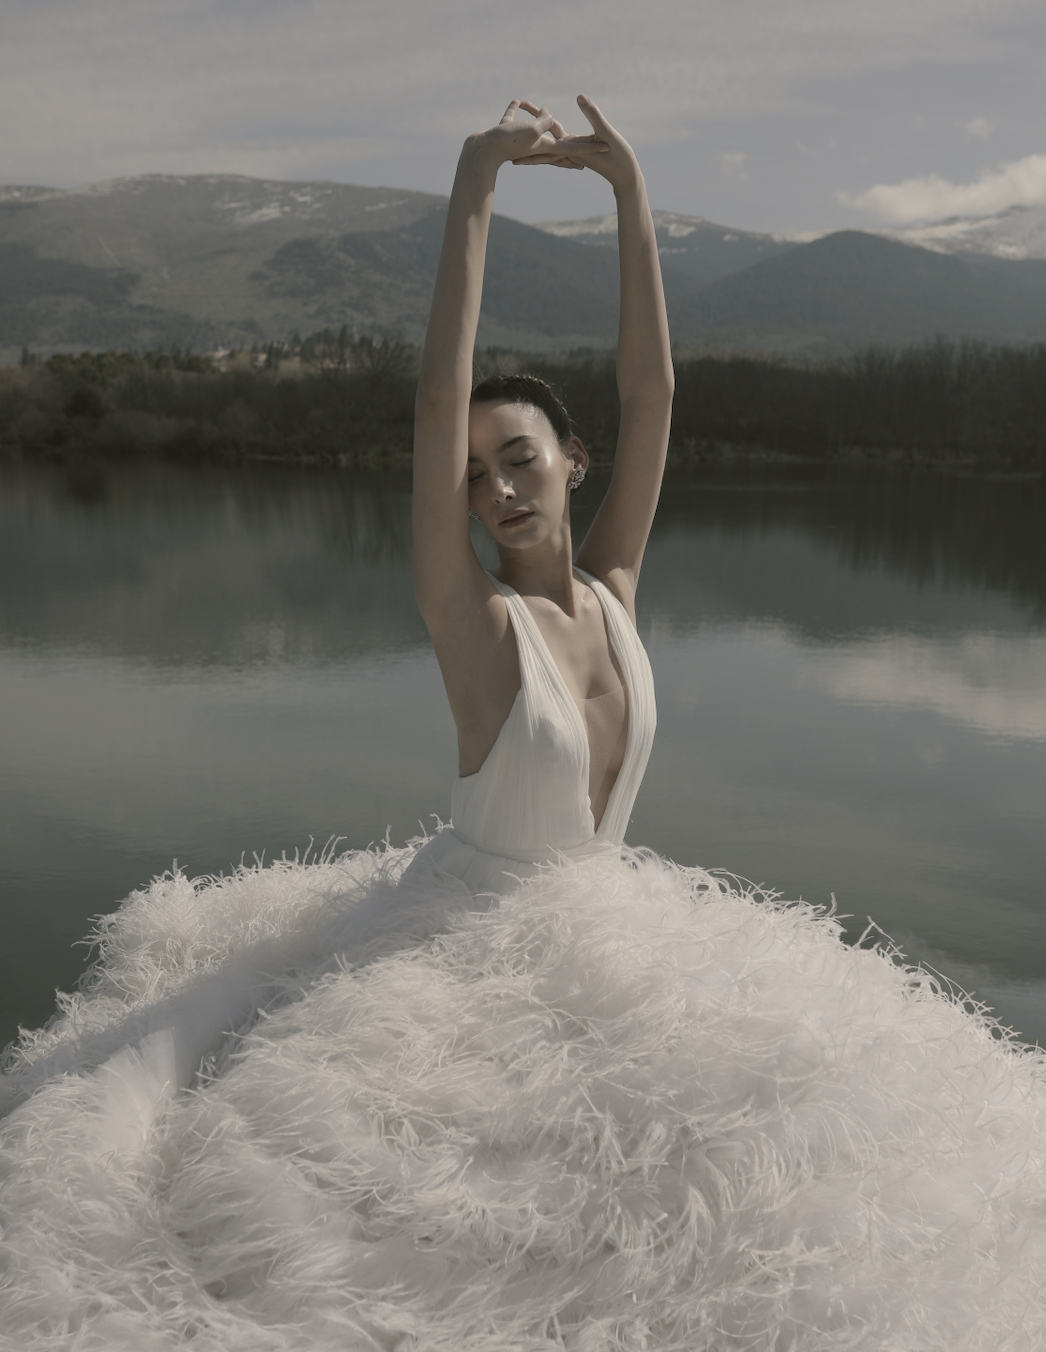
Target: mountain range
column 211, row 260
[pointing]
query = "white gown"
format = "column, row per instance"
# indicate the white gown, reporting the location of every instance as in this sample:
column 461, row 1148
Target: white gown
column 528, row 804
column 516, row 1087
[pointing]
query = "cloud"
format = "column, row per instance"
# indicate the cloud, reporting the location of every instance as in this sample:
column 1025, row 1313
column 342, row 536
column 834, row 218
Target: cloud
column 384, row 91
column 732, row 164
column 1021, row 183
column 141, row 87
column 980, row 128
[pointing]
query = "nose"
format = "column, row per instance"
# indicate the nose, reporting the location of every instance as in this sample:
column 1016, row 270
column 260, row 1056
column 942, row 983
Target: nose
column 503, row 489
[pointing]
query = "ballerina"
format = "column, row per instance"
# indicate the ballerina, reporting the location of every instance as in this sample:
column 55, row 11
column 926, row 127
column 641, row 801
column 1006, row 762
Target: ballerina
column 518, row 1086
column 549, row 686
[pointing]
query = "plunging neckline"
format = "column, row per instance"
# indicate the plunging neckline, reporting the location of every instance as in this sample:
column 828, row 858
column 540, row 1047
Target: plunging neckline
column 567, row 693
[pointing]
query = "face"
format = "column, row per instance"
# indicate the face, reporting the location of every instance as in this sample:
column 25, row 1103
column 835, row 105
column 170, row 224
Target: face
column 518, row 473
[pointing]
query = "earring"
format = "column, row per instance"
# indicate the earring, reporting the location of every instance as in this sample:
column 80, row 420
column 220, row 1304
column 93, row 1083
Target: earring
column 576, row 479
column 475, row 515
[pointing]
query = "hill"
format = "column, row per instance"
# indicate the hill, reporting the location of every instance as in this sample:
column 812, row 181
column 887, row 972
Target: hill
column 688, row 245
column 851, row 288
column 539, row 292
column 222, row 260
column 848, row 288
column 213, row 260
column 708, row 251
column 1018, row 232
column 158, row 259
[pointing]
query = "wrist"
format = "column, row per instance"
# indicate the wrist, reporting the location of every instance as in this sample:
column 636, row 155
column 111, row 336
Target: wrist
column 479, row 156
column 631, row 189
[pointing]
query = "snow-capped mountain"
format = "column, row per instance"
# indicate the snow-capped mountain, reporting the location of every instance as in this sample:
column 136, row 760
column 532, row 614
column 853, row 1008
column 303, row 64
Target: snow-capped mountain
column 206, row 260
column 701, row 249
column 227, row 202
column 1017, row 232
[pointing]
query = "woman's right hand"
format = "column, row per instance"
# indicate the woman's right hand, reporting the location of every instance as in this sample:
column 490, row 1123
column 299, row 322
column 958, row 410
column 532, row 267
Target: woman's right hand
column 541, row 141
column 619, row 166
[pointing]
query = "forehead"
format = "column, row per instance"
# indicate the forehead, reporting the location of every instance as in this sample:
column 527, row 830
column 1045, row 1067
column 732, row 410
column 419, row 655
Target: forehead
column 492, row 423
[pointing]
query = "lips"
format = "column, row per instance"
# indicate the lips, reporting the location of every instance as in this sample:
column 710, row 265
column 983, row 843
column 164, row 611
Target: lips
column 515, row 518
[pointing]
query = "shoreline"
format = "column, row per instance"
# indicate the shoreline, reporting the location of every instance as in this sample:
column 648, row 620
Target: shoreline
column 400, row 460
column 956, row 407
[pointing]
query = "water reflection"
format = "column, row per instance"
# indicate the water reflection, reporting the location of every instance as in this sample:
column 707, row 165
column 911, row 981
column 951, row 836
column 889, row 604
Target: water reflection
column 208, row 568
column 205, row 663
column 237, row 567
column 933, row 530
column 904, row 815
column 987, row 681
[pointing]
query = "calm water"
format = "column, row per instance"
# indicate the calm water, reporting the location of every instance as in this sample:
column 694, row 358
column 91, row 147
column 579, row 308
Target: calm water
column 201, row 665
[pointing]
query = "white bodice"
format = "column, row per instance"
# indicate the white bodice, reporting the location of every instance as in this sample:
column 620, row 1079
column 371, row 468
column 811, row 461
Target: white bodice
column 528, row 803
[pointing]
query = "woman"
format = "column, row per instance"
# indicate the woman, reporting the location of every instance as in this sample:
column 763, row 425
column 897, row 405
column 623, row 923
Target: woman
column 520, row 1088
column 527, row 651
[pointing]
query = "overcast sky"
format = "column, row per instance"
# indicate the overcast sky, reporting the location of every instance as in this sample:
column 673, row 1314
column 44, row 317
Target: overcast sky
column 770, row 115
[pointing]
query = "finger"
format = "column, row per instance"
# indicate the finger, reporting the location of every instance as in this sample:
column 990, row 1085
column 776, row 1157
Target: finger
column 510, row 112
column 580, row 146
column 550, row 157
column 543, row 119
column 596, row 119
column 555, row 127
column 553, row 158
column 569, row 147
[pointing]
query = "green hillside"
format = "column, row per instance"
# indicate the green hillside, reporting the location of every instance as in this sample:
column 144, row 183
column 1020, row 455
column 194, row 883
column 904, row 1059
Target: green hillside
column 170, row 259
column 218, row 260
column 688, row 245
column 850, row 288
column 539, row 291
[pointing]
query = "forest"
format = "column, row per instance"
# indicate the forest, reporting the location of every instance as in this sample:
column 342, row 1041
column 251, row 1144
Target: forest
column 339, row 398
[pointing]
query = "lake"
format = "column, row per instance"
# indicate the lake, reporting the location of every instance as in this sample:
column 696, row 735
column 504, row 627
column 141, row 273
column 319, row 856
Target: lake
column 203, row 665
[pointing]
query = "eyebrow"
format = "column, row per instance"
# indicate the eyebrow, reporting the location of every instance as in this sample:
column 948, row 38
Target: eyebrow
column 507, row 445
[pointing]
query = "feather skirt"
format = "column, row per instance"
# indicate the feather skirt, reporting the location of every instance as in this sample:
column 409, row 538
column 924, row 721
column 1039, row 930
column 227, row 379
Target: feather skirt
column 626, row 1106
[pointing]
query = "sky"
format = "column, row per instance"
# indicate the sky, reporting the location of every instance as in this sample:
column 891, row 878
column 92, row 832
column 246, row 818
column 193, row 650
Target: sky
column 769, row 115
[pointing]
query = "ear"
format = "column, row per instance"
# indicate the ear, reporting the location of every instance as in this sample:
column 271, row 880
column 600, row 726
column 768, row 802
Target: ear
column 577, row 453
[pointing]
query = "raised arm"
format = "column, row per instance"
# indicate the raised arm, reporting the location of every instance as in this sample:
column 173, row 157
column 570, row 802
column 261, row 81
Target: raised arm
column 446, row 570
column 613, row 548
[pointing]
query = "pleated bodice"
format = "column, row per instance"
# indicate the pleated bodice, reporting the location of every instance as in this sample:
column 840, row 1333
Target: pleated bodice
column 529, row 801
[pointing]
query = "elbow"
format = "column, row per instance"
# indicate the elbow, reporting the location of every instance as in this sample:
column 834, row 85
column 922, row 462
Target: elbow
column 655, row 391
column 666, row 377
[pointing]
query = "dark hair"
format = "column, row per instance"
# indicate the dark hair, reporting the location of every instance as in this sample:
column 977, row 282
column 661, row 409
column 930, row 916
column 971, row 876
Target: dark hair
column 532, row 391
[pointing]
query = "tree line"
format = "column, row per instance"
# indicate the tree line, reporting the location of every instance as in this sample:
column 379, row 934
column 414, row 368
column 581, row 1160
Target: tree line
column 339, row 397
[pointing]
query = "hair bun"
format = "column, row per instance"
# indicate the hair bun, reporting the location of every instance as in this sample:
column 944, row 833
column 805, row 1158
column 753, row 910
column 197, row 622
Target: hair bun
column 531, row 391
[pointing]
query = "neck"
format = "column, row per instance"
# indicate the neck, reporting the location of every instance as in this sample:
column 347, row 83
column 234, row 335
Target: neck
column 547, row 570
